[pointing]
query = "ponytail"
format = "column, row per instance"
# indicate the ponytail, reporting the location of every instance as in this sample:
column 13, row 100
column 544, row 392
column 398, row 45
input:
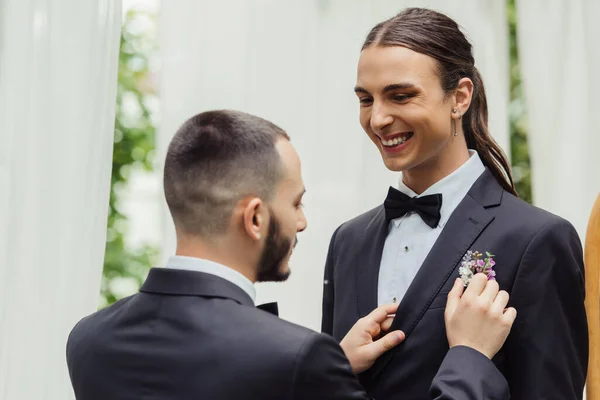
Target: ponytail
column 475, row 127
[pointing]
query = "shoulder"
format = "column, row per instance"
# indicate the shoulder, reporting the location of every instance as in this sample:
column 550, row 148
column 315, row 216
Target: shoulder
column 547, row 239
column 288, row 352
column 357, row 225
column 291, row 342
column 95, row 319
column 531, row 220
column 91, row 326
column 277, row 335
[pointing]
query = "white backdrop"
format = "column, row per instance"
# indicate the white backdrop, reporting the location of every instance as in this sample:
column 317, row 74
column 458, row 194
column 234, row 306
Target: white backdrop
column 560, row 60
column 58, row 71
column 294, row 62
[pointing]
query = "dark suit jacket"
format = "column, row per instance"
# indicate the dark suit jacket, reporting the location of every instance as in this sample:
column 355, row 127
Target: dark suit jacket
column 538, row 261
column 190, row 335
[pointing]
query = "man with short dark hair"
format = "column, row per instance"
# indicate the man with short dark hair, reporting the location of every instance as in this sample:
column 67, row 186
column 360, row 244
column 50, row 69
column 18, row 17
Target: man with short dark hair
column 234, row 187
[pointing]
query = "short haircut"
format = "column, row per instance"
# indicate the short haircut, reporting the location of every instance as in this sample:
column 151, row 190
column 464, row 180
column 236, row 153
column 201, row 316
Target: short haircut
column 216, row 159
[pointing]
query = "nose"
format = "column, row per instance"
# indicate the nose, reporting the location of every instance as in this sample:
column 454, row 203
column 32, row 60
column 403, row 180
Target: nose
column 380, row 117
column 302, row 223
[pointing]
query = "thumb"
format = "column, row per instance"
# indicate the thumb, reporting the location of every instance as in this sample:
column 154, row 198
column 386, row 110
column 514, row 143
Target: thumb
column 385, row 343
column 453, row 298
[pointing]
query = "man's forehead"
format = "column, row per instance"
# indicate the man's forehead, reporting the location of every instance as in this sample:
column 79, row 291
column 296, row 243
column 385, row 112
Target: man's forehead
column 289, row 159
column 392, row 65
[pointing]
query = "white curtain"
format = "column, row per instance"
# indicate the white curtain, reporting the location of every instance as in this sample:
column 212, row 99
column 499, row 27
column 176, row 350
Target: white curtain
column 58, row 71
column 294, row 62
column 560, row 64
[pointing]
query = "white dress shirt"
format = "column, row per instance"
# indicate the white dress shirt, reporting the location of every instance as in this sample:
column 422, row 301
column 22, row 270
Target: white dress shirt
column 211, row 267
column 409, row 239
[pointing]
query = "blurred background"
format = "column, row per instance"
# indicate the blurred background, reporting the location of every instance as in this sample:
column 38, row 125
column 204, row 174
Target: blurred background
column 85, row 82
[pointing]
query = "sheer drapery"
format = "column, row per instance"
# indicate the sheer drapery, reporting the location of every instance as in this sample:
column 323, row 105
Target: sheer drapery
column 560, row 64
column 58, row 72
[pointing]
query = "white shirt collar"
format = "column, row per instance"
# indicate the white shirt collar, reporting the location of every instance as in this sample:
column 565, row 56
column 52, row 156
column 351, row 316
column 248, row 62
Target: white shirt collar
column 211, row 267
column 453, row 187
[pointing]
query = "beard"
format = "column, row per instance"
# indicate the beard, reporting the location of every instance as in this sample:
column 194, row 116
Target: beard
column 277, row 249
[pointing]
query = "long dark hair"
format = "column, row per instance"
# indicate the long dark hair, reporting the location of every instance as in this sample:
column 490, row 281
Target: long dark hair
column 438, row 36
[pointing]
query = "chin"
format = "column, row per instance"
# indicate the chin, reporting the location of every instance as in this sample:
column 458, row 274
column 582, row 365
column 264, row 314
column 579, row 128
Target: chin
column 397, row 164
column 394, row 166
column 285, row 270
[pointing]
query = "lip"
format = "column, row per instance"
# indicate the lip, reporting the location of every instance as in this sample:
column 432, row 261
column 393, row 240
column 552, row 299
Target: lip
column 399, row 148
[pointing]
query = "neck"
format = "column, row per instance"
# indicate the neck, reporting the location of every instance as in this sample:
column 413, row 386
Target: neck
column 433, row 170
column 217, row 250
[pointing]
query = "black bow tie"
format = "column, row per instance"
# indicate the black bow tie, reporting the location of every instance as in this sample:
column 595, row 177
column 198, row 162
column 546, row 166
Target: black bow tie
column 397, row 204
column 270, row 308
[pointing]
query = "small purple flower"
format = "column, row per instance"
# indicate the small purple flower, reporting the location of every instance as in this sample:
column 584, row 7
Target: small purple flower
column 474, row 262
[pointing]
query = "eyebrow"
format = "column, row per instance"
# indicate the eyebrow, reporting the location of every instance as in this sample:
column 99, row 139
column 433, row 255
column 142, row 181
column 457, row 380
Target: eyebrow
column 388, row 88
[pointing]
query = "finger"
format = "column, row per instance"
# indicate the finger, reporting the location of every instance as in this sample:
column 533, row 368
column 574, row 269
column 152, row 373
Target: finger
column 509, row 316
column 384, row 344
column 370, row 326
column 454, row 297
column 387, row 324
column 476, row 286
column 500, row 303
column 382, row 312
column 490, row 291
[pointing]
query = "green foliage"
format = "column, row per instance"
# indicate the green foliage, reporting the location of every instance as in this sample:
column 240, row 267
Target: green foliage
column 519, row 148
column 133, row 147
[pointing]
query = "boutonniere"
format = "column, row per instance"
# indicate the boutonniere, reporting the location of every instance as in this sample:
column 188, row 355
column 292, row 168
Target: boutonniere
column 473, row 262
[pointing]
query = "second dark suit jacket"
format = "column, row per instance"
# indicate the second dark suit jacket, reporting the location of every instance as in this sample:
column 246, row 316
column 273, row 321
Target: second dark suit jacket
column 191, row 335
column 538, row 261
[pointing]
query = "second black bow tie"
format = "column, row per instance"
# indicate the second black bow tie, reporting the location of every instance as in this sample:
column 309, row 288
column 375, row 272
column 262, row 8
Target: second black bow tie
column 270, row 308
column 397, row 204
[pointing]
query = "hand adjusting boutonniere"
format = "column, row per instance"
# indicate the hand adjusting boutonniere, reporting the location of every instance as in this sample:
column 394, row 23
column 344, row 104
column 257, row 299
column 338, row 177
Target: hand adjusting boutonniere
column 473, row 262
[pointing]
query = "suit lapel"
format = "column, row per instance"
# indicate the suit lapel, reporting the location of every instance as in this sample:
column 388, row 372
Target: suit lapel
column 465, row 224
column 369, row 260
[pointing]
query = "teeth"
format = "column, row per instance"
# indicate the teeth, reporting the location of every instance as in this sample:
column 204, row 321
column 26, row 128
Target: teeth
column 396, row 141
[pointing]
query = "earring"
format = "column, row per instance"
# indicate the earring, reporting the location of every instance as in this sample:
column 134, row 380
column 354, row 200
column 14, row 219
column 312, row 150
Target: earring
column 454, row 110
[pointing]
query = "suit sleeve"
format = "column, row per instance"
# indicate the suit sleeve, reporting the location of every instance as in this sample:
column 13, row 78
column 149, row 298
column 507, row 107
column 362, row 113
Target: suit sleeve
column 547, row 350
column 328, row 289
column 323, row 372
column 466, row 374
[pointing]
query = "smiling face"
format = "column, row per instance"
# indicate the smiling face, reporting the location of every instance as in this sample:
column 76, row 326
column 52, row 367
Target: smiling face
column 405, row 112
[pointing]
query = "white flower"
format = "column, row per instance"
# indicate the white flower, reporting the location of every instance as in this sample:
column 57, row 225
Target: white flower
column 465, row 273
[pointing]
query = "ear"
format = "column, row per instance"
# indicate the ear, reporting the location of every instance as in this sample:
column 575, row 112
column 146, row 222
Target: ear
column 254, row 218
column 462, row 97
